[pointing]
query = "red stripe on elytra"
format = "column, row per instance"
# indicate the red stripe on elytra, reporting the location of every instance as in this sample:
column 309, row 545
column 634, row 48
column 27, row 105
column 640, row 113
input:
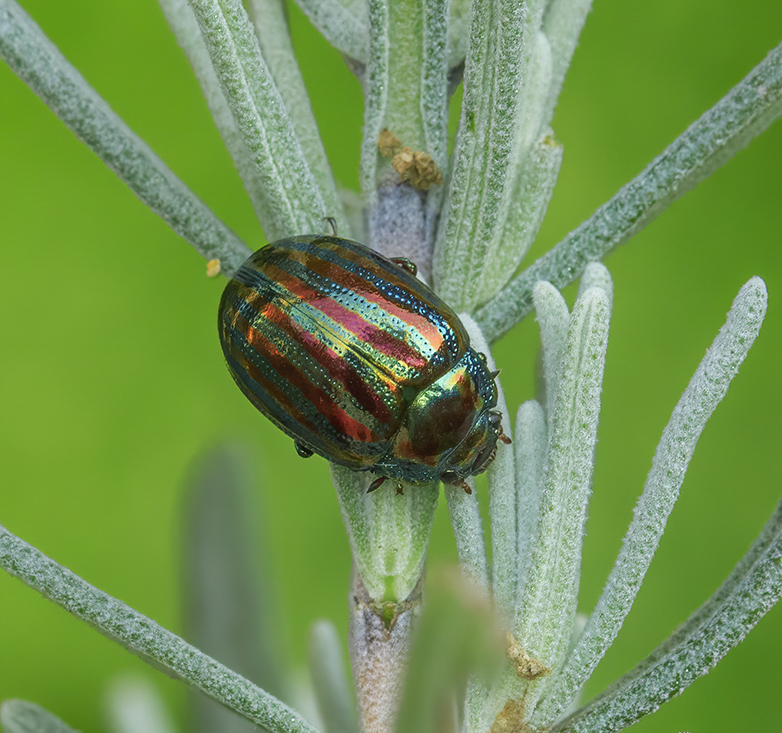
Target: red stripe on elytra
column 337, row 367
column 369, row 291
column 323, row 403
column 361, row 329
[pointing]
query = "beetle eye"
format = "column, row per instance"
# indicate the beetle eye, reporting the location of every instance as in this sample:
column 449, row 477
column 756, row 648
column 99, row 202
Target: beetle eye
column 450, row 477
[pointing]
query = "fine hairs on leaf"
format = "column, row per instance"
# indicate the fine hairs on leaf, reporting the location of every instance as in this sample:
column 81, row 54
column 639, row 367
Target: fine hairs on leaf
column 20, row 716
column 184, row 25
column 547, row 605
column 36, row 60
column 143, row 637
column 500, row 634
column 706, row 389
column 297, row 202
column 473, row 213
column 749, row 108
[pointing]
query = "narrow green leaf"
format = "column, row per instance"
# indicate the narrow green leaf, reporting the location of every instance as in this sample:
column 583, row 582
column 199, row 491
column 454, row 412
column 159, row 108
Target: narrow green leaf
column 533, row 189
column 145, row 638
column 388, row 530
column 296, row 202
column 417, row 71
column 184, row 25
column 135, row 706
column 748, row 109
column 562, row 24
column 502, row 499
column 531, row 438
column 554, row 320
column 511, row 241
column 271, row 28
column 343, row 23
column 483, row 169
column 375, row 95
column 33, row 57
column 596, row 275
column 228, row 592
column 548, row 605
column 677, row 445
column 20, row 716
column 433, row 80
column 751, row 590
column 457, row 635
column 468, row 530
column 333, row 692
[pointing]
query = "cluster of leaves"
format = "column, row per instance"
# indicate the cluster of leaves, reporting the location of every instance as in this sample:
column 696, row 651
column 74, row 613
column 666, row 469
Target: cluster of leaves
column 471, row 234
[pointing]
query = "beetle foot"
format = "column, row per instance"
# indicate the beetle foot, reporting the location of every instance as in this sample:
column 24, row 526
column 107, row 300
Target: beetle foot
column 376, row 484
column 302, row 449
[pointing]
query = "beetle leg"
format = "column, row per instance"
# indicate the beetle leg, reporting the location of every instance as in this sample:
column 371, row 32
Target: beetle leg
column 302, row 449
column 405, row 264
column 332, row 223
column 495, row 418
column 376, row 484
column 450, row 478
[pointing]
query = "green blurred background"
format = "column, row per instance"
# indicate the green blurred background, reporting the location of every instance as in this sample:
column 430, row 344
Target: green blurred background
column 113, row 382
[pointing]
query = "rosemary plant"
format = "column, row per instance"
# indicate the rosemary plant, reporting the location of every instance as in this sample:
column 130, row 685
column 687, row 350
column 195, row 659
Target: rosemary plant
column 502, row 636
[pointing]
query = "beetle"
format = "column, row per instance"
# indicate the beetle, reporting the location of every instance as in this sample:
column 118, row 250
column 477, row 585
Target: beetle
column 359, row 361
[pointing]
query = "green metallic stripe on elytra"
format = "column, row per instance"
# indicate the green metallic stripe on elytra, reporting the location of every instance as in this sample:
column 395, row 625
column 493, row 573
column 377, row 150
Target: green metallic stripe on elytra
column 350, row 392
column 396, row 284
column 380, row 273
column 280, row 400
column 328, row 363
column 383, row 338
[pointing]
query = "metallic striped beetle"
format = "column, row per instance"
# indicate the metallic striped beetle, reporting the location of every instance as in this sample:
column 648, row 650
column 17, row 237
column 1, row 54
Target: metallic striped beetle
column 359, row 361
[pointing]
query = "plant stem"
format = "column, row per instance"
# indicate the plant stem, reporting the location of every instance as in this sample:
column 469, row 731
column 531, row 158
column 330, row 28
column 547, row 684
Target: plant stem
column 379, row 651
